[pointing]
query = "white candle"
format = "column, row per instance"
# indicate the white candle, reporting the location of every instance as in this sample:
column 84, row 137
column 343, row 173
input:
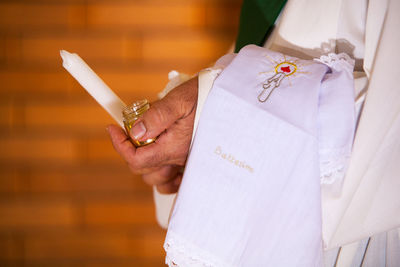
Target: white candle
column 93, row 85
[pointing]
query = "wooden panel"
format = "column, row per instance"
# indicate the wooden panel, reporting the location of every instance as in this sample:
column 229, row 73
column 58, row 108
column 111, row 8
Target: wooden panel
column 6, row 114
column 101, row 149
column 119, row 212
column 35, row 83
column 192, row 47
column 24, row 148
column 10, row 49
column 135, row 84
column 84, row 114
column 77, row 245
column 88, row 47
column 10, row 180
column 145, row 14
column 28, row 213
column 113, row 179
column 98, row 180
column 28, row 15
column 221, row 16
column 66, row 197
column 10, row 247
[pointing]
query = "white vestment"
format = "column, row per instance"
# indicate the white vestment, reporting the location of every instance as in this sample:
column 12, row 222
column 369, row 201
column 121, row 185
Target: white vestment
column 369, row 202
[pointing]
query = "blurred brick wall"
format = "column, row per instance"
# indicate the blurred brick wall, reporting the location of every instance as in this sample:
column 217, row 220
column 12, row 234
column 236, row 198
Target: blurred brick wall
column 66, row 198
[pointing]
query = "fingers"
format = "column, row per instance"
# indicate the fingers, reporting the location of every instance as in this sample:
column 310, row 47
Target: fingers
column 171, row 186
column 167, row 179
column 128, row 151
column 171, row 119
column 121, row 142
column 163, row 113
column 161, row 176
column 154, row 121
column 167, row 150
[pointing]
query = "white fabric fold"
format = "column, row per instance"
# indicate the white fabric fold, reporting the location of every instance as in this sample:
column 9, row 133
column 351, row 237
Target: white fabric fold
column 336, row 115
column 250, row 195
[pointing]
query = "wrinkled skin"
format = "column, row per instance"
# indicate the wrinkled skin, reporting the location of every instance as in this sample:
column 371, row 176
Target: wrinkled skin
column 171, row 119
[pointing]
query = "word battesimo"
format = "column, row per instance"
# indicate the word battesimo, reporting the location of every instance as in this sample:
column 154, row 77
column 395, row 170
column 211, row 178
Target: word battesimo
column 230, row 158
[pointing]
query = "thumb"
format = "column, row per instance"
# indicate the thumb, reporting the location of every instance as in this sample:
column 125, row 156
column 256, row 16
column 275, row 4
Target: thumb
column 163, row 113
column 156, row 119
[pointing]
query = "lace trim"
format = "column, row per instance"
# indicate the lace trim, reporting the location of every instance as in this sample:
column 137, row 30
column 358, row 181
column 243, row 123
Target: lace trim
column 333, row 170
column 333, row 164
column 181, row 253
column 334, row 60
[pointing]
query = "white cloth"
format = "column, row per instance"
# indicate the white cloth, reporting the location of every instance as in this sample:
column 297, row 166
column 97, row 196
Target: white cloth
column 311, row 28
column 372, row 180
column 257, row 163
column 336, row 26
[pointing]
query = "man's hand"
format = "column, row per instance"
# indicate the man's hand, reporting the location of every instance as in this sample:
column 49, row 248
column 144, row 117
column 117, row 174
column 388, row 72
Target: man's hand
column 171, row 119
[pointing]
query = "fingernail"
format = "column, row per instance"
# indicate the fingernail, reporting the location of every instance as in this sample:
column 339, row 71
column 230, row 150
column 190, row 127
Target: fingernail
column 138, row 130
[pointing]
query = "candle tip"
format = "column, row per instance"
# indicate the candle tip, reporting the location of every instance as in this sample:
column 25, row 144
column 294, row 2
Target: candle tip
column 63, row 54
column 66, row 58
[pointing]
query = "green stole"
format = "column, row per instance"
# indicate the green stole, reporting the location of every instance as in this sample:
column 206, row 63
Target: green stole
column 257, row 19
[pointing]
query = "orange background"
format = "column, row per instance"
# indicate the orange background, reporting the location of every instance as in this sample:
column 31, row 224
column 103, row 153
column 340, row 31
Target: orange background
column 66, row 198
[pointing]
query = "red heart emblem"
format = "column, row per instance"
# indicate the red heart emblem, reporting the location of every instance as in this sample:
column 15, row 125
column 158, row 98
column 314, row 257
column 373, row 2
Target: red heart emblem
column 285, row 69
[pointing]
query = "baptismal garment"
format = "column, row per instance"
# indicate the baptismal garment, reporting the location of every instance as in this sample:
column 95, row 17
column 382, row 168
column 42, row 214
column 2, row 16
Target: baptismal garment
column 250, row 195
column 369, row 201
column 371, row 29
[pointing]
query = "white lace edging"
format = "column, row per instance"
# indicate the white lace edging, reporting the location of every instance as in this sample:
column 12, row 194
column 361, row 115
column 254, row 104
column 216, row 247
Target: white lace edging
column 333, row 163
column 334, row 60
column 333, row 167
column 181, row 253
column 334, row 170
